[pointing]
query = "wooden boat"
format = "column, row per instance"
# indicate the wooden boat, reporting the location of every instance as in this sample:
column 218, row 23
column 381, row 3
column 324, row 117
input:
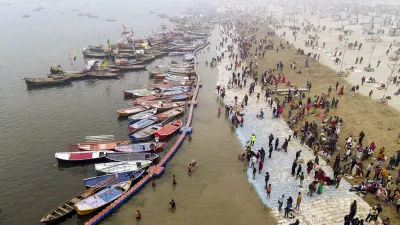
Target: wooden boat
column 171, row 113
column 146, row 133
column 47, row 81
column 101, row 75
column 80, row 156
column 139, row 93
column 119, row 167
column 131, row 156
column 140, row 147
column 137, row 101
column 135, row 127
column 143, row 115
column 64, row 208
column 102, row 198
column 96, row 146
column 132, row 110
column 119, row 177
column 95, row 54
column 131, row 67
column 162, row 105
column 73, row 76
column 67, row 207
column 168, row 129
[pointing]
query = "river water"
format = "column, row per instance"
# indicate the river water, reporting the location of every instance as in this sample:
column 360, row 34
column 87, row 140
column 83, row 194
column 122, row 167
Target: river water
column 37, row 123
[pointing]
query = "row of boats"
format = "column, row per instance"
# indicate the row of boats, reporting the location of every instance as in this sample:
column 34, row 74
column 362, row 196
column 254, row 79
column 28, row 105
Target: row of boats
column 153, row 118
column 155, row 115
column 133, row 55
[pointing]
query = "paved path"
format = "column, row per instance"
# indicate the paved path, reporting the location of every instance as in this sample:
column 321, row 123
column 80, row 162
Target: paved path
column 328, row 208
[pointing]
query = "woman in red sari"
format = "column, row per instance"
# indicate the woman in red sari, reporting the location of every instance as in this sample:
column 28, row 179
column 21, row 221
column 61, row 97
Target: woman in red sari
column 341, row 90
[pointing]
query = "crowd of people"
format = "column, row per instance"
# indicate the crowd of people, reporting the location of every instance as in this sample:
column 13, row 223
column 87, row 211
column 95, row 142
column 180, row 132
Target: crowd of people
column 311, row 121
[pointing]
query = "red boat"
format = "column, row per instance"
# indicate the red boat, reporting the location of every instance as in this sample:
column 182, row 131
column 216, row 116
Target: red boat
column 168, row 129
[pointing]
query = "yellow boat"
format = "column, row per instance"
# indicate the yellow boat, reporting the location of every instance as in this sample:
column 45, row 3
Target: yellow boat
column 102, row 198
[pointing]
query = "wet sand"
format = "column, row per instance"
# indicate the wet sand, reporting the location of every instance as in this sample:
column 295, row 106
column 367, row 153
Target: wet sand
column 380, row 123
column 218, row 191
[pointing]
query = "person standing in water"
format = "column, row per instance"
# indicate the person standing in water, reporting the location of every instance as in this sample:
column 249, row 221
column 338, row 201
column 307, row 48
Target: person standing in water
column 173, row 180
column 138, row 215
column 173, row 205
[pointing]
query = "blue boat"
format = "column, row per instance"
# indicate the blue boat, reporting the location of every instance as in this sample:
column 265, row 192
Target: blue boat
column 141, row 116
column 180, row 97
column 142, row 124
column 120, row 177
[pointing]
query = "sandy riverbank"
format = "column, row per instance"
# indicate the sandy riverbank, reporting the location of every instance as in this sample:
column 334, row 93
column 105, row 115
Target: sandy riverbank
column 332, row 43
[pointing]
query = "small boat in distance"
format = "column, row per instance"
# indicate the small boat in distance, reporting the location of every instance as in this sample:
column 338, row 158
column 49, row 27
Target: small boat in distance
column 47, row 81
column 26, row 16
column 111, row 19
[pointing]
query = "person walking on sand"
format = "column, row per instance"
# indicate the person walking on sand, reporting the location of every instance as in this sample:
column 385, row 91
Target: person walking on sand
column 361, row 59
column 341, row 91
column 270, row 151
column 301, row 179
column 254, row 173
column 266, row 179
column 362, row 80
column 329, row 90
column 298, row 202
column 252, row 139
column 271, row 138
column 337, row 85
column 260, row 166
column 356, row 60
column 280, row 202
column 269, row 189
column 361, row 137
column 276, row 144
column 379, row 62
column 294, row 165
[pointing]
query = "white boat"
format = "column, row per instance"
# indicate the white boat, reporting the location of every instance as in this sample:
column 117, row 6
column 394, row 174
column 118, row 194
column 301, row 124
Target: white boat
column 119, row 167
column 102, row 198
column 80, row 156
